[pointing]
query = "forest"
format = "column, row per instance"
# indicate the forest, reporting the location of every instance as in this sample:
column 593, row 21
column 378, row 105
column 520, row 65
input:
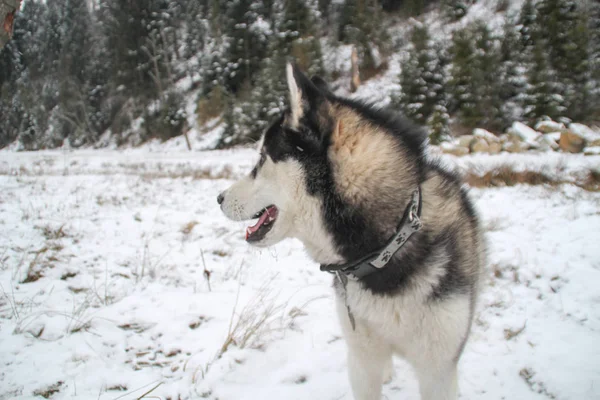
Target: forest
column 82, row 73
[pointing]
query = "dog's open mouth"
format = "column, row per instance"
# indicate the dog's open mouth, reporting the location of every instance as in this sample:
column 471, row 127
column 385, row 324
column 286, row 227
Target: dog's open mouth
column 266, row 219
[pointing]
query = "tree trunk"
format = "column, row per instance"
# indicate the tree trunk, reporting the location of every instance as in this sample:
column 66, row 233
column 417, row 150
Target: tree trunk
column 8, row 8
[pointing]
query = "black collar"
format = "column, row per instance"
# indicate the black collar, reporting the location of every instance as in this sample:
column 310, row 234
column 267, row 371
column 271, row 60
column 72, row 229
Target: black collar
column 410, row 223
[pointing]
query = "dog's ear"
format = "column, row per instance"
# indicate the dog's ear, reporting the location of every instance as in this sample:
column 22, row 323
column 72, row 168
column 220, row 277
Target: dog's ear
column 309, row 108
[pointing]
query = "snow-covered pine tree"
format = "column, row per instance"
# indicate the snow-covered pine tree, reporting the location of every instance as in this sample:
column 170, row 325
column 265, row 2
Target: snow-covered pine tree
column 359, row 23
column 563, row 28
column 439, row 125
column 594, row 58
column 544, row 93
column 33, row 93
column 475, row 58
column 526, row 25
column 269, row 91
column 421, row 78
column 230, row 126
column 456, row 9
column 73, row 109
column 511, row 75
column 463, row 98
column 488, row 91
column 301, row 37
column 247, row 42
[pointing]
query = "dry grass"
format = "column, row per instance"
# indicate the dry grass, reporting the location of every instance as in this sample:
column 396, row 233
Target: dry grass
column 35, row 270
column 51, row 233
column 49, row 391
column 255, row 321
column 207, row 172
column 506, row 175
column 252, row 326
column 510, row 333
column 189, row 227
column 536, row 386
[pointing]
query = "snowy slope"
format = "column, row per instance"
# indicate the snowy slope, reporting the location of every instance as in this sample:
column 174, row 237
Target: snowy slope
column 116, row 303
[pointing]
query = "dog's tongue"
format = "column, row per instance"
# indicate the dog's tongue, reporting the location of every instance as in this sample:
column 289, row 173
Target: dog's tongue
column 267, row 216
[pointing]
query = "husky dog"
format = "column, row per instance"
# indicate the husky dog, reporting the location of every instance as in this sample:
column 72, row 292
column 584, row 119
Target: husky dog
column 354, row 185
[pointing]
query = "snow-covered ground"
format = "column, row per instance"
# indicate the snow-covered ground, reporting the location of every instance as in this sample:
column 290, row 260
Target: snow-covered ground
column 103, row 293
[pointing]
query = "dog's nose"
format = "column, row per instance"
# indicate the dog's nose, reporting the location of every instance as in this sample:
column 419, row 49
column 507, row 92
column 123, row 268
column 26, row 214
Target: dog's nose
column 220, row 198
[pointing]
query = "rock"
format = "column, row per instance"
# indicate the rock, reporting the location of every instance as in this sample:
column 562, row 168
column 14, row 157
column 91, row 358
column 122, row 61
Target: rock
column 504, row 138
column 488, row 136
column 592, row 151
column 479, row 145
column 571, row 142
column 548, row 141
column 550, row 126
column 585, row 132
column 454, row 149
column 465, row 140
column 495, row 148
column 554, row 136
column 524, row 133
column 514, row 146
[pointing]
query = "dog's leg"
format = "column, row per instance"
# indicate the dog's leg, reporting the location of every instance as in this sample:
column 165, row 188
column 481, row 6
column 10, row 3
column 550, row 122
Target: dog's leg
column 438, row 383
column 366, row 364
column 367, row 358
column 388, row 371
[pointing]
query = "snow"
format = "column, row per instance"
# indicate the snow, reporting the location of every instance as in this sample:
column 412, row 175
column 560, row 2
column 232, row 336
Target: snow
column 525, row 133
column 118, row 242
column 549, row 126
column 592, row 150
column 487, row 135
column 584, row 132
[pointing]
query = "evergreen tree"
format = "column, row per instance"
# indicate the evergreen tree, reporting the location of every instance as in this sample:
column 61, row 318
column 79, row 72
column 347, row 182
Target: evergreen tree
column 544, row 94
column 563, row 29
column 594, row 58
column 247, row 43
column 527, row 26
column 73, row 113
column 475, row 59
column 230, row 127
column 439, row 125
column 134, row 44
column 268, row 94
column 511, row 80
column 301, row 37
column 326, row 12
column 456, row 9
column 422, row 78
column 463, row 97
column 360, row 24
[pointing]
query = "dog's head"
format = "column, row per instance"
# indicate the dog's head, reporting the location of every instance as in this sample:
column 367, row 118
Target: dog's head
column 278, row 190
column 332, row 173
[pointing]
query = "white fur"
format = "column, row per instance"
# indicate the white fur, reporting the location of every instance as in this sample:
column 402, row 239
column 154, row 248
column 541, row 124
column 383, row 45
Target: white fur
column 427, row 336
column 282, row 184
column 296, row 109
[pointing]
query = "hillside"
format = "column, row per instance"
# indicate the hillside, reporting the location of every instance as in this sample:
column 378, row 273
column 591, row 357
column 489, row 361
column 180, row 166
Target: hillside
column 118, row 75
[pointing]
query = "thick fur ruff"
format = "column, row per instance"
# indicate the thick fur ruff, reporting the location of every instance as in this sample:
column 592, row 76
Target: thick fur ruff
column 339, row 174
